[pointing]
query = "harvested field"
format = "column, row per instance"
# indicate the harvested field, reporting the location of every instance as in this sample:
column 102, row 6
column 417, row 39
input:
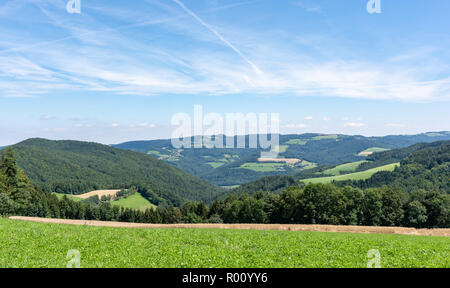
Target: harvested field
column 285, row 227
column 99, row 193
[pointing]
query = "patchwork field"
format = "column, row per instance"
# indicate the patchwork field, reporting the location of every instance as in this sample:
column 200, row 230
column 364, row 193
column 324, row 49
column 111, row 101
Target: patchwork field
column 352, row 176
column 27, row 244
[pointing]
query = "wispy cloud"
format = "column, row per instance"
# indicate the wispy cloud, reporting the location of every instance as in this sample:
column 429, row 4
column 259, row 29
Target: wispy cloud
column 210, row 28
column 310, row 7
column 130, row 59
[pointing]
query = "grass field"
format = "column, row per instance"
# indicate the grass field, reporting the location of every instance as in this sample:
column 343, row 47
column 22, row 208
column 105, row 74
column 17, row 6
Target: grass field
column 262, row 167
column 135, row 201
column 283, row 148
column 325, row 137
column 158, row 155
column 27, row 244
column 344, row 168
column 216, row 164
column 60, row 196
column 352, row 176
column 296, row 142
column 371, row 150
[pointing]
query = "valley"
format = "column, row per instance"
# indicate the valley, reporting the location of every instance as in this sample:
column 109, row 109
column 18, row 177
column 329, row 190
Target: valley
column 397, row 197
column 230, row 167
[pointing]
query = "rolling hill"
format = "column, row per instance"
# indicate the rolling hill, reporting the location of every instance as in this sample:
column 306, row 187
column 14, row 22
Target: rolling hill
column 427, row 167
column 362, row 175
column 229, row 167
column 377, row 170
column 80, row 167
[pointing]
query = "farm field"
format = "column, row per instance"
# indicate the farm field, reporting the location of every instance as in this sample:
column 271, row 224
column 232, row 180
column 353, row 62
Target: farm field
column 28, row 244
column 99, row 193
column 262, row 167
column 283, row 148
column 60, row 196
column 344, row 168
column 371, row 150
column 322, row 137
column 352, row 176
column 135, row 201
column 216, row 164
column 296, row 142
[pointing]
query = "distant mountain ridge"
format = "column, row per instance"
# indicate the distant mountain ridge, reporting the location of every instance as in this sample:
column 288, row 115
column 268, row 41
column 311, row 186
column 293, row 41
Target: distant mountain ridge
column 78, row 167
column 230, row 167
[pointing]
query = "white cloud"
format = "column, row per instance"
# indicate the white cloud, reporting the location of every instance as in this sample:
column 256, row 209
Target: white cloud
column 146, row 125
column 308, row 118
column 112, row 60
column 355, row 125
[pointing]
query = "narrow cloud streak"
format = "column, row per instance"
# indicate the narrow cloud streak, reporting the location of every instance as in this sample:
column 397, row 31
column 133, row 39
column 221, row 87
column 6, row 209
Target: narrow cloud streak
column 254, row 67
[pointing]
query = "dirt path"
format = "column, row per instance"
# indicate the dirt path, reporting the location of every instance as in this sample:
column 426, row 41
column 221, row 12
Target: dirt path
column 289, row 227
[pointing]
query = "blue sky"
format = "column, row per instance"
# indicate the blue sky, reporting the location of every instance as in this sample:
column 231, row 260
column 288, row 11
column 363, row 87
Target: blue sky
column 119, row 70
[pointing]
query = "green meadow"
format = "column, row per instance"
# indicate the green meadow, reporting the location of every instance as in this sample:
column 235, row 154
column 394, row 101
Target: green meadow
column 344, row 168
column 352, row 176
column 135, row 201
column 262, row 167
column 60, row 196
column 28, row 244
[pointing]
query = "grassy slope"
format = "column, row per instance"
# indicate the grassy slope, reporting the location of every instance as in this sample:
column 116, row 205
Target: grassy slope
column 344, row 168
column 135, row 201
column 375, row 149
column 26, row 244
column 60, row 196
column 262, row 167
column 352, row 176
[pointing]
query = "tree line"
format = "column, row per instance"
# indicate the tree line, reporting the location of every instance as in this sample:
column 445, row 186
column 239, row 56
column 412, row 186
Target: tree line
column 312, row 204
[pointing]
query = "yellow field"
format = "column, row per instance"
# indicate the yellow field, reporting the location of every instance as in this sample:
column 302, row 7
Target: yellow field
column 99, row 193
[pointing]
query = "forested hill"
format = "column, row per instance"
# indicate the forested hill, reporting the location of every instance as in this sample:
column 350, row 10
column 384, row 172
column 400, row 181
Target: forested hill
column 422, row 166
column 427, row 167
column 230, row 167
column 78, row 167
